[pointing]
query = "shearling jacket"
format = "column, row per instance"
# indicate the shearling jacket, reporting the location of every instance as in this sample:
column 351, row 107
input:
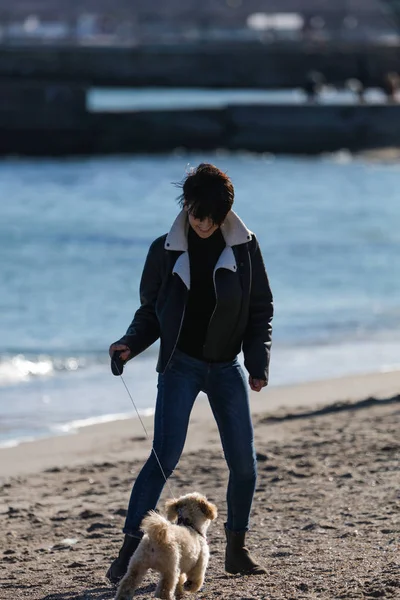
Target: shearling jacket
column 244, row 308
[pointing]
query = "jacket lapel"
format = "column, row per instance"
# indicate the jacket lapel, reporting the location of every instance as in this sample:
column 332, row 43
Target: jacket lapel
column 226, row 260
column 182, row 268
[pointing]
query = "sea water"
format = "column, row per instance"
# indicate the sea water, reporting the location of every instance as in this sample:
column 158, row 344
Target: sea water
column 74, row 235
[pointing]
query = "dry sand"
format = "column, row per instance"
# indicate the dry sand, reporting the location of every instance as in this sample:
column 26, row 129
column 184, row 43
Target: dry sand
column 325, row 517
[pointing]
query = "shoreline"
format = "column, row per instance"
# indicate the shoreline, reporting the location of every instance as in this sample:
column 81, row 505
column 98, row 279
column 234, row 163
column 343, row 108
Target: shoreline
column 125, row 439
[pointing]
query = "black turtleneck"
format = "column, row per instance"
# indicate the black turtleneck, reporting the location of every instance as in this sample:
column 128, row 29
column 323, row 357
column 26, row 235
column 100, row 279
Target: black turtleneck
column 203, row 256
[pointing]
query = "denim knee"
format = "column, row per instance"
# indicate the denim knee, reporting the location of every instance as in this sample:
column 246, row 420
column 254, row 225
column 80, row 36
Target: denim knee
column 244, row 470
column 166, row 463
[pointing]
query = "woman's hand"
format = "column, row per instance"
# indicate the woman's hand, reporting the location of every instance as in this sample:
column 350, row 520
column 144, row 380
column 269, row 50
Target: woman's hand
column 122, row 348
column 257, row 384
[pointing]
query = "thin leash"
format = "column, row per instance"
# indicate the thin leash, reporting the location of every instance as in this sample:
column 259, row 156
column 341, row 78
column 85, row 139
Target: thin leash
column 145, row 430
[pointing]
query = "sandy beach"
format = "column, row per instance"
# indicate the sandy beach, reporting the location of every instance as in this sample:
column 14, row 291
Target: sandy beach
column 325, row 515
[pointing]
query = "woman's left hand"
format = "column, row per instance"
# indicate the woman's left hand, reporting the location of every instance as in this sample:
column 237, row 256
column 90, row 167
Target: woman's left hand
column 257, row 384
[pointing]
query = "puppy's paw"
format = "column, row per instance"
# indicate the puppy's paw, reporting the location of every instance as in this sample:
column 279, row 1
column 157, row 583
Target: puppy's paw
column 193, row 585
column 180, row 590
column 125, row 592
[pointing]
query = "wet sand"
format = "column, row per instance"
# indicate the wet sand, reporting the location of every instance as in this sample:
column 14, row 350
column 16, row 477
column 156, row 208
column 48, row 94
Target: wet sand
column 326, row 514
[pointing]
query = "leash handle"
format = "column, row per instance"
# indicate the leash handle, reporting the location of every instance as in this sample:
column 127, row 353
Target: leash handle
column 117, row 364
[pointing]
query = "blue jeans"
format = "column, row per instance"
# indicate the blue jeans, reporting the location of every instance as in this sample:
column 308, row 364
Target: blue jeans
column 226, row 388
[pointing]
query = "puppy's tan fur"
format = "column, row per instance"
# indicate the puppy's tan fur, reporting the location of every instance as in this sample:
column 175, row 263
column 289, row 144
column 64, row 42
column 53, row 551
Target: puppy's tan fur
column 177, row 552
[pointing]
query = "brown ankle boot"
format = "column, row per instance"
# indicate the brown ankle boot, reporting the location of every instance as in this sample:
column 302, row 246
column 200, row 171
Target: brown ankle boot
column 237, row 557
column 119, row 566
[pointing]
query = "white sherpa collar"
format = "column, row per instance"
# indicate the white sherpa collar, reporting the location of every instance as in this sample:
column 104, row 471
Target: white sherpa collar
column 233, row 230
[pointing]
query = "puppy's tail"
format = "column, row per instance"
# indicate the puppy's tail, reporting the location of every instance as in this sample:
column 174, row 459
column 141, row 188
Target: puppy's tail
column 156, row 528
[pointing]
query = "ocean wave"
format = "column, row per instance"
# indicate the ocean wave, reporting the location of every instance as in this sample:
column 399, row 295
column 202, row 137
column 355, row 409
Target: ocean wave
column 19, row 368
column 73, row 427
column 16, row 442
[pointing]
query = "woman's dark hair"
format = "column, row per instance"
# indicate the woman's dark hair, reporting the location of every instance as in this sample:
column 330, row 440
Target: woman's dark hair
column 207, row 192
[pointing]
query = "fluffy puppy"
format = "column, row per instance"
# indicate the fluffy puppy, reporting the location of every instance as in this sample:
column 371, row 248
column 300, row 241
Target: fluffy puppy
column 177, row 548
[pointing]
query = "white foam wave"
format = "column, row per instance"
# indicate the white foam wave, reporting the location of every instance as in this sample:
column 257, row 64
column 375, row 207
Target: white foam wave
column 15, row 442
column 19, row 368
column 74, row 426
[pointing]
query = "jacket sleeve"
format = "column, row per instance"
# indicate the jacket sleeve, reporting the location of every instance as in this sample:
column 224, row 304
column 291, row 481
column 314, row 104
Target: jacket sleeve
column 257, row 337
column 145, row 329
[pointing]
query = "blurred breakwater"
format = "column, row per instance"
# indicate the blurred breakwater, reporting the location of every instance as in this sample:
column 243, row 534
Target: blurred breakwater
column 50, row 119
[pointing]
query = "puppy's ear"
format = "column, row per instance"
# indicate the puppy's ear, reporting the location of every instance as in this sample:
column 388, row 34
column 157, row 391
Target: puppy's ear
column 208, row 509
column 172, row 507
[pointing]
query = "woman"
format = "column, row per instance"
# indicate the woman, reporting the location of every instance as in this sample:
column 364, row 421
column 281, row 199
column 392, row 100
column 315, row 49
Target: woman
column 205, row 293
